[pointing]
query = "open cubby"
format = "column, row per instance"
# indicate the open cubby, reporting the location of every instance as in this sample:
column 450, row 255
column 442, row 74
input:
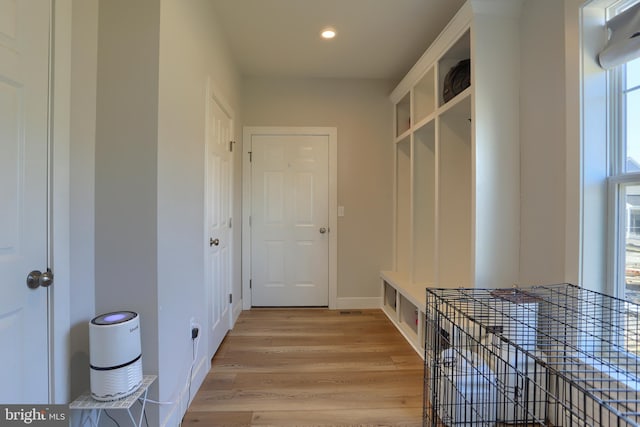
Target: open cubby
column 424, row 96
column 454, row 207
column 424, row 213
column 403, row 115
column 459, row 51
column 403, row 205
column 404, row 304
column 409, row 316
column 389, row 297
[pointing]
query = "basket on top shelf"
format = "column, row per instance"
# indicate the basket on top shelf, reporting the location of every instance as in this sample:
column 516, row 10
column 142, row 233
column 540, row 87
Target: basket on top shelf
column 457, row 79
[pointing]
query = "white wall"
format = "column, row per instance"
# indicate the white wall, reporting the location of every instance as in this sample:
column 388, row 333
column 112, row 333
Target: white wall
column 192, row 49
column 542, row 143
column 361, row 111
column 84, row 53
column 126, row 234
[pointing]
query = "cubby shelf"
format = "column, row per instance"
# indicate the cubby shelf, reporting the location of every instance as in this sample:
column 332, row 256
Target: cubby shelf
column 404, row 303
column 456, row 199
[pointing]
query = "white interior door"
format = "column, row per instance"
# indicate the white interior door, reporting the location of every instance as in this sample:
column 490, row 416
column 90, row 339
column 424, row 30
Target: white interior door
column 219, row 170
column 290, row 220
column 24, row 64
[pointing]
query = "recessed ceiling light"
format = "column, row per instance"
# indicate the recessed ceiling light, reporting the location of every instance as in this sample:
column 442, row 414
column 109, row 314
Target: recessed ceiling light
column 328, row 33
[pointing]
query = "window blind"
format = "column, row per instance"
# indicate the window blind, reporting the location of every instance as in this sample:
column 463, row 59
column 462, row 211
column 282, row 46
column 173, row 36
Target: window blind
column 624, row 39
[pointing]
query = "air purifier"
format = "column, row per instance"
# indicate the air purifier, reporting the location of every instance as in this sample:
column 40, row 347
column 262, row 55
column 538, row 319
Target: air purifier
column 115, row 355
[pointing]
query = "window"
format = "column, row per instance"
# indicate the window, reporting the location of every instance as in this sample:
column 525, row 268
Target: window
column 625, row 177
column 608, row 167
column 624, row 187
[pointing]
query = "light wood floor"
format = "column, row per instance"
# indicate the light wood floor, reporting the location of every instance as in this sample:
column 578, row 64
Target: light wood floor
column 311, row 367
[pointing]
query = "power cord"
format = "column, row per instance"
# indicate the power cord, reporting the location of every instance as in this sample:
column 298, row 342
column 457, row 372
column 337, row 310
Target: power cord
column 195, row 341
column 191, row 370
column 146, row 421
column 111, row 418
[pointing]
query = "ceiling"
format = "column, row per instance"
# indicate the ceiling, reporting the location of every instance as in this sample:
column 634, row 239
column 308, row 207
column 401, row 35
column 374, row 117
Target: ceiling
column 378, row 39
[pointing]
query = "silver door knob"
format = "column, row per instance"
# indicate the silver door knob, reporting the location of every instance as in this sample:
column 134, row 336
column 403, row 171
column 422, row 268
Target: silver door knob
column 213, row 242
column 46, row 278
column 36, row 278
column 323, row 230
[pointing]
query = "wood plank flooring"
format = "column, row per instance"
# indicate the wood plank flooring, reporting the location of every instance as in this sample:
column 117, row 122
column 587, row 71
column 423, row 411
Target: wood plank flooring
column 311, row 367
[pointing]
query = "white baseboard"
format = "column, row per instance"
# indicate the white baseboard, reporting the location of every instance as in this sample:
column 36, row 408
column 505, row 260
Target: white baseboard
column 356, row 302
column 174, row 416
column 236, row 310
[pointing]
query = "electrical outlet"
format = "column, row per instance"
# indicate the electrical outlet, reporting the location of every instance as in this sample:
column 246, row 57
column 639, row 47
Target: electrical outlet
column 194, row 329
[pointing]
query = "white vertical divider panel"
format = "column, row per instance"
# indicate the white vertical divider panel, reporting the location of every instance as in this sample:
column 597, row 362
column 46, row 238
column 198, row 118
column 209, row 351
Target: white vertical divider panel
column 496, row 145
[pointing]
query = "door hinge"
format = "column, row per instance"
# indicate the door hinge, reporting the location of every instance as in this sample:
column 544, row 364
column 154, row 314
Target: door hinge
column 250, row 156
column 250, row 284
column 230, row 222
column 231, row 145
column 230, row 298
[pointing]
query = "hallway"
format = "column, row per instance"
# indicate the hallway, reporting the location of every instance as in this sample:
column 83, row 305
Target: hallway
column 304, row 367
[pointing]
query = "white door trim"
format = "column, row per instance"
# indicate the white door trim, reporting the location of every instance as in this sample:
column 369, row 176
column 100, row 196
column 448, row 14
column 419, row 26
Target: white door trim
column 59, row 244
column 247, row 135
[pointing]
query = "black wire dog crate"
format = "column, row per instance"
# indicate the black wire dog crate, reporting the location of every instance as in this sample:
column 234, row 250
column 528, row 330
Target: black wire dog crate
column 553, row 355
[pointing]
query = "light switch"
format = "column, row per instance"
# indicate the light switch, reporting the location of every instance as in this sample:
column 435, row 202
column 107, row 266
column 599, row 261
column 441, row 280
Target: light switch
column 340, row 210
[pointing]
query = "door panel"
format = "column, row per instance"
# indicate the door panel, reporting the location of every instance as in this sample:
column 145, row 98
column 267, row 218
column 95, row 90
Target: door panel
column 218, row 228
column 11, row 186
column 303, row 193
column 274, row 198
column 275, row 264
column 24, row 64
column 290, row 254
